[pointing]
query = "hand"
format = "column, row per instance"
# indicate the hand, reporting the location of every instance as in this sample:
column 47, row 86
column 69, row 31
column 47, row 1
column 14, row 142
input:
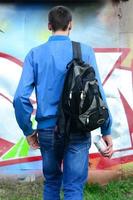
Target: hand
column 109, row 150
column 33, row 140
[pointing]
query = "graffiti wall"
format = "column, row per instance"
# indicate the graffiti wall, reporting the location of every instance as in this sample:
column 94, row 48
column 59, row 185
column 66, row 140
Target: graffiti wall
column 24, row 27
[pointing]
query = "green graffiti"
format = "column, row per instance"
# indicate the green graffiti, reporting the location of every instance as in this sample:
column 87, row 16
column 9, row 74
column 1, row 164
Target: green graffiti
column 20, row 149
column 34, row 122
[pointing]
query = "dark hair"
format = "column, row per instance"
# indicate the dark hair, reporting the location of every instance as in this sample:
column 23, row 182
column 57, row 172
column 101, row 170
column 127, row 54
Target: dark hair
column 59, row 18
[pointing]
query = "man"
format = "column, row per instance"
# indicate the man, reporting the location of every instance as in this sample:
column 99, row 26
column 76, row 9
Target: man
column 45, row 69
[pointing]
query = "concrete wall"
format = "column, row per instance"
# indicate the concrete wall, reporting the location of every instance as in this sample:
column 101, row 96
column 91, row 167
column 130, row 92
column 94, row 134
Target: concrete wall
column 109, row 30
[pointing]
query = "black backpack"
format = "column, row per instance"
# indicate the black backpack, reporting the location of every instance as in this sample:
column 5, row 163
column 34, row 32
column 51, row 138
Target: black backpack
column 81, row 106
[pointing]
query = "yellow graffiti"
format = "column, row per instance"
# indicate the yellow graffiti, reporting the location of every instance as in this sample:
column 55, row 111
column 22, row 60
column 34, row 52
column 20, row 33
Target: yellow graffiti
column 4, row 25
column 43, row 35
column 129, row 59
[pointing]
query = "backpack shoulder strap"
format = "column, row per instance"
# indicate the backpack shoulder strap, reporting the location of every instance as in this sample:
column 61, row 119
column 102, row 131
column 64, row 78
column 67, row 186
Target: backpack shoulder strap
column 76, row 50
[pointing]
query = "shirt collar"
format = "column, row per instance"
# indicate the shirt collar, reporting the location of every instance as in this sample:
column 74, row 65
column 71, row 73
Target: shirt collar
column 58, row 37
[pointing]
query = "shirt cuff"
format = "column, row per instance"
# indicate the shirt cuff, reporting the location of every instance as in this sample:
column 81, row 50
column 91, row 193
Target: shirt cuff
column 106, row 132
column 29, row 132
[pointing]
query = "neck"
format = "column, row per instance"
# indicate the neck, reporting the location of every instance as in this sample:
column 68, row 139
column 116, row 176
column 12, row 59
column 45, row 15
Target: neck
column 60, row 32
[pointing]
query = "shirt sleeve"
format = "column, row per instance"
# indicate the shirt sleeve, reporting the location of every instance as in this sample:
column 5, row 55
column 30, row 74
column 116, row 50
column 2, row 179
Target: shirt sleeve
column 106, row 127
column 22, row 105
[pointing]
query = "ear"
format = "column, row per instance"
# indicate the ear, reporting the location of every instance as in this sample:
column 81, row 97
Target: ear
column 49, row 27
column 70, row 25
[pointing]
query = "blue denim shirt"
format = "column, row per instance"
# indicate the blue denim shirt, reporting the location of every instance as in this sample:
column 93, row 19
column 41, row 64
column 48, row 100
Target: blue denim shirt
column 44, row 69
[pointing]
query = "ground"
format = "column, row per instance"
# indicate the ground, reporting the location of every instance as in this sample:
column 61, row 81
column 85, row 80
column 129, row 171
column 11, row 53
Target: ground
column 115, row 190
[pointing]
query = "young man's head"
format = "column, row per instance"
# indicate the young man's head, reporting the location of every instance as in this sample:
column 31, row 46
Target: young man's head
column 59, row 19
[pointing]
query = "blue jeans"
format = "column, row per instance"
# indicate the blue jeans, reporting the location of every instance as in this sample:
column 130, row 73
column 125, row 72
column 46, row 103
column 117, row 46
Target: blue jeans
column 73, row 156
